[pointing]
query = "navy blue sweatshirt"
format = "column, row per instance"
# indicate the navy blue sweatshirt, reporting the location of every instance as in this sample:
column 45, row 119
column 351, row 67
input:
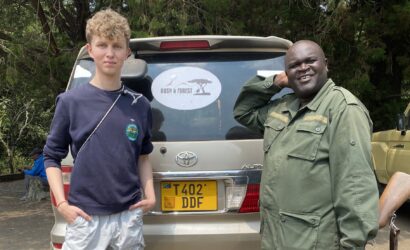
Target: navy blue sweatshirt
column 105, row 176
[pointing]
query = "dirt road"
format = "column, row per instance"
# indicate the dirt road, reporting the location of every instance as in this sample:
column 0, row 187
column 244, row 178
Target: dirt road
column 23, row 225
column 27, row 225
column 403, row 222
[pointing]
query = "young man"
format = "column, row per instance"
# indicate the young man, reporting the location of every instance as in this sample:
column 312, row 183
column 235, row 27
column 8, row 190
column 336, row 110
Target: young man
column 318, row 190
column 107, row 127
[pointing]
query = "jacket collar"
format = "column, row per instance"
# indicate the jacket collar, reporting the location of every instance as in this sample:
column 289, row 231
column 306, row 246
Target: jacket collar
column 294, row 105
column 324, row 91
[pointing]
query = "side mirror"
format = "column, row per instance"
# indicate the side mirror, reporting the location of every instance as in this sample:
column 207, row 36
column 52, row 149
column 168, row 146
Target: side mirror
column 401, row 123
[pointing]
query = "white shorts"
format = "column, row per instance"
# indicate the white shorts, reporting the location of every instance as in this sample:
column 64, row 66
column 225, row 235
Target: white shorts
column 116, row 231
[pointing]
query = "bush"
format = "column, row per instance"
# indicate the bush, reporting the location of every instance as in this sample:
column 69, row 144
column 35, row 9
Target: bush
column 19, row 162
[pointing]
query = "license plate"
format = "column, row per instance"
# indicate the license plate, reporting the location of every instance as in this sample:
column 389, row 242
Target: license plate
column 189, row 196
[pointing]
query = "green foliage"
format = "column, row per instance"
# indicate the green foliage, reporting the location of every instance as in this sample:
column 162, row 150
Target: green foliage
column 19, row 161
column 368, row 54
column 376, row 55
column 367, row 44
column 30, row 79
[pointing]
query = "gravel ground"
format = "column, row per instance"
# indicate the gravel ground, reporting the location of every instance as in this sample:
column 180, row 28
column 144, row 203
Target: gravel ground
column 27, row 225
column 23, row 224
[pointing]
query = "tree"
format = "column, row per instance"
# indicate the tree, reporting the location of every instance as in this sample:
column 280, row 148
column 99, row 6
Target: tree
column 369, row 54
column 367, row 44
column 13, row 123
column 31, row 76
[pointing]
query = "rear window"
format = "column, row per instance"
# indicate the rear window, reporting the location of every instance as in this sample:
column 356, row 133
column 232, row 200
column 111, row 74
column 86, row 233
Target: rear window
column 192, row 95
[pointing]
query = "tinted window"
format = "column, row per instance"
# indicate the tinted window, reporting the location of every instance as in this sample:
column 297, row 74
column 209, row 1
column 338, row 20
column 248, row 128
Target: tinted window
column 83, row 72
column 215, row 120
column 184, row 119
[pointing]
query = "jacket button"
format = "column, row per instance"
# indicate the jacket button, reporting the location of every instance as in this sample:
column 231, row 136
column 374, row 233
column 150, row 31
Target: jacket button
column 317, row 129
column 352, row 142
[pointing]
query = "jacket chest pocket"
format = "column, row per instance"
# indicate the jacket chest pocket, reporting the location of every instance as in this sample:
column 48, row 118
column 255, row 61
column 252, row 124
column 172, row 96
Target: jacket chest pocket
column 306, row 140
column 273, row 127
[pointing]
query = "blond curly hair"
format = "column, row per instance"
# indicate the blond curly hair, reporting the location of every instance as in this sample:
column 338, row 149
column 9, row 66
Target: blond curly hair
column 108, row 24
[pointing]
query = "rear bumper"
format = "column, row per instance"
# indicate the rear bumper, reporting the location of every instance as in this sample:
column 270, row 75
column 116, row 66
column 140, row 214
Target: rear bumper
column 216, row 232
column 57, row 234
column 203, row 242
column 200, row 232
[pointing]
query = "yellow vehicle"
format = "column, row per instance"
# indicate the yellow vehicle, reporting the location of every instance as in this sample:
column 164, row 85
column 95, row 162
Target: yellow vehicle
column 391, row 150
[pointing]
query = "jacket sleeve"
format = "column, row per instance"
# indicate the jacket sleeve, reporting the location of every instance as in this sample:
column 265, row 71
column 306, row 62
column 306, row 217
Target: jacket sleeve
column 252, row 104
column 36, row 169
column 58, row 139
column 354, row 188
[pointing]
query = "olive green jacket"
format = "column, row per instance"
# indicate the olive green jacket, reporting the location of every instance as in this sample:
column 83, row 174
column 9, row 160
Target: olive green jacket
column 318, row 190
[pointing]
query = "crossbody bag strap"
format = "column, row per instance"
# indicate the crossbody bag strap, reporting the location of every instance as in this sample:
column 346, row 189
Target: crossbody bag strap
column 102, row 119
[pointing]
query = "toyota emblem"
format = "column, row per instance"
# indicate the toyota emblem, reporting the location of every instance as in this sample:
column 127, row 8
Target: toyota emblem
column 186, row 159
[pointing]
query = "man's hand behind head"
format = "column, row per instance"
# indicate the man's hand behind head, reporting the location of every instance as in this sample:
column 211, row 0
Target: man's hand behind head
column 281, row 80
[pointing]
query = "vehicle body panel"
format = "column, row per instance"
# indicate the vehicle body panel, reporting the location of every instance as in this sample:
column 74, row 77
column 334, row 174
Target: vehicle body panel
column 391, row 149
column 391, row 153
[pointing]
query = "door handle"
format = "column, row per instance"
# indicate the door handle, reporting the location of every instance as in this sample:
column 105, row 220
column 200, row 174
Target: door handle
column 398, row 146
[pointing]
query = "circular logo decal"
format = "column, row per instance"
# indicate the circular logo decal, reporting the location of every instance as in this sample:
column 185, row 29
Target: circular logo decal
column 186, row 88
column 131, row 132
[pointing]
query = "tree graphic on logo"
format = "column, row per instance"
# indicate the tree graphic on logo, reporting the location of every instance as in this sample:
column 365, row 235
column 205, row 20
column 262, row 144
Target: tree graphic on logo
column 201, row 84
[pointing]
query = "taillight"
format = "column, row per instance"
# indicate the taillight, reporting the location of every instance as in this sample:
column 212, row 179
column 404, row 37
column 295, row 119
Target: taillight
column 234, row 196
column 243, row 198
column 176, row 45
column 57, row 245
column 251, row 201
column 66, row 172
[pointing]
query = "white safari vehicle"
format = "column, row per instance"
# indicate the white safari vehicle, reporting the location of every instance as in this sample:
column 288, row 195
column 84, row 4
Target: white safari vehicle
column 207, row 167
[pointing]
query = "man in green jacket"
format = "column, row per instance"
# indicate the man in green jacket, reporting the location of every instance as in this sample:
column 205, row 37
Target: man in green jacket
column 318, row 190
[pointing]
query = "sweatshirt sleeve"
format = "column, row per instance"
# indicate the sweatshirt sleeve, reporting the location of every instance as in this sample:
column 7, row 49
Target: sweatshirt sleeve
column 36, row 169
column 58, row 139
column 147, row 147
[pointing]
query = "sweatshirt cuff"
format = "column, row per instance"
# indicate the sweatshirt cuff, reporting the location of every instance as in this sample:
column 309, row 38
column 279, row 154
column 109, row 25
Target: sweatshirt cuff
column 51, row 163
